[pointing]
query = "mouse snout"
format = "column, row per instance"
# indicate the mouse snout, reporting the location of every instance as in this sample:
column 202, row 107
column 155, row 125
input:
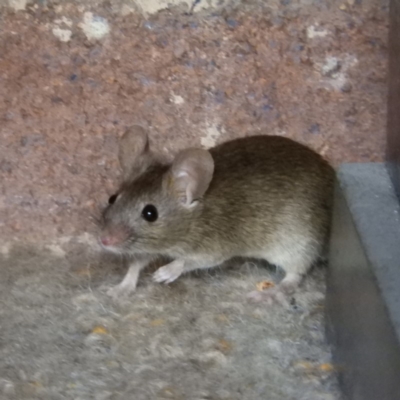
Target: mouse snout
column 113, row 237
column 108, row 240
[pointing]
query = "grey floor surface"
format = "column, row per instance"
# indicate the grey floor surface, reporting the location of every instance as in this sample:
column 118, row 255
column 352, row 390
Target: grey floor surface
column 61, row 337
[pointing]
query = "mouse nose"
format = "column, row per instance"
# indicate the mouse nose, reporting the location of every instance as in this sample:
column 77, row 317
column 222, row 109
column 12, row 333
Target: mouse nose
column 114, row 236
column 110, row 240
column 106, row 240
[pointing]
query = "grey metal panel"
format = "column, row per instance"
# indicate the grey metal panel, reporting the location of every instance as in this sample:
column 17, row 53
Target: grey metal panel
column 363, row 293
column 393, row 131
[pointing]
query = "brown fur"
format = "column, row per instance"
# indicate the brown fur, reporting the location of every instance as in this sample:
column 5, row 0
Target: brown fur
column 269, row 197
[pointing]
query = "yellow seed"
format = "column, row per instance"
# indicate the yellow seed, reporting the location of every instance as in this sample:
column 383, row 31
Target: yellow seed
column 263, row 285
column 224, row 346
column 100, row 330
column 168, row 393
column 327, row 367
column 157, row 322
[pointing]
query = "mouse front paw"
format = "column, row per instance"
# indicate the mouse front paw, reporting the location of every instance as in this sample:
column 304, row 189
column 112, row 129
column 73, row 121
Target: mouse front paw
column 169, row 272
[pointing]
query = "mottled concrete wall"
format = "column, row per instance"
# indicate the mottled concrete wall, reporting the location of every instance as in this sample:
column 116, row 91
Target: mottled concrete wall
column 74, row 75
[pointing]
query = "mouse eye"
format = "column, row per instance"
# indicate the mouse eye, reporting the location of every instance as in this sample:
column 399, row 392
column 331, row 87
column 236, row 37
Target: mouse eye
column 150, row 213
column 112, row 199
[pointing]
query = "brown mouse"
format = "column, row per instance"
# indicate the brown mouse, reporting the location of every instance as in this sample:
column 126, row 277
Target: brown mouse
column 266, row 197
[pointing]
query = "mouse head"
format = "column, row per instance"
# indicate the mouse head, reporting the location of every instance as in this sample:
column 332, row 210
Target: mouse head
column 155, row 205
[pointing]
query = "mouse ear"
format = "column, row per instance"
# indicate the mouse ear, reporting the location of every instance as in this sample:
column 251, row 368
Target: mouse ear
column 133, row 149
column 191, row 174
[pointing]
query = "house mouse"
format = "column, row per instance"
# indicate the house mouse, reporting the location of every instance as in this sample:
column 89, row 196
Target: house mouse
column 265, row 197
